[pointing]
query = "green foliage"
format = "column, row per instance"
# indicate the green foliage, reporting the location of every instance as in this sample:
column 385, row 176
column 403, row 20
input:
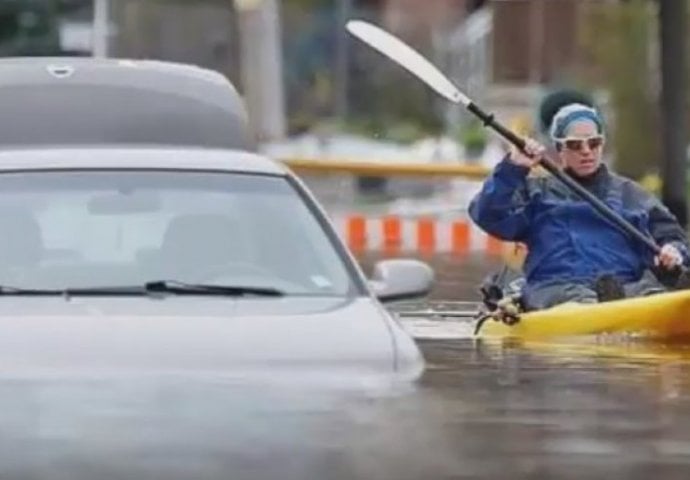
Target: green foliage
column 405, row 132
column 395, row 101
column 382, row 100
column 307, row 4
column 617, row 39
column 473, row 136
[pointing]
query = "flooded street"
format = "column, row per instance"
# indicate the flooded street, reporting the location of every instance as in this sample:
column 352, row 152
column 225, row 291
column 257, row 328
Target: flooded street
column 479, row 411
column 599, row 408
column 545, row 411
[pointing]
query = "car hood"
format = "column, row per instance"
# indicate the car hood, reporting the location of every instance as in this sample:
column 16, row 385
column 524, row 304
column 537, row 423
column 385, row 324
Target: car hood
column 185, row 387
column 276, row 338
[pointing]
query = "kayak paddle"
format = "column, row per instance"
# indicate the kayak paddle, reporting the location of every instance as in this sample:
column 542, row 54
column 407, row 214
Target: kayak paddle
column 415, row 63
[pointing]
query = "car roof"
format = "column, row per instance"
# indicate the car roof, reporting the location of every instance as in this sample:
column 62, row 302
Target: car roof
column 94, row 65
column 78, row 100
column 139, row 158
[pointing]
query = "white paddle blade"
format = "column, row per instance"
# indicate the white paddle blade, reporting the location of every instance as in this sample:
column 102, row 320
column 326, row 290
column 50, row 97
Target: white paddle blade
column 408, row 58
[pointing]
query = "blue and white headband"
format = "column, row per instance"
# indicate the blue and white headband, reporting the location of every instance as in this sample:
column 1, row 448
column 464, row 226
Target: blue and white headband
column 570, row 114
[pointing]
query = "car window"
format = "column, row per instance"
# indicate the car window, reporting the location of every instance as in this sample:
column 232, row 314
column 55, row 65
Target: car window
column 90, row 228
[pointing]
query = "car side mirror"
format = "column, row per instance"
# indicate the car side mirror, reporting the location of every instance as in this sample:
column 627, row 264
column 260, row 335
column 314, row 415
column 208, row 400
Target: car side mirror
column 401, row 279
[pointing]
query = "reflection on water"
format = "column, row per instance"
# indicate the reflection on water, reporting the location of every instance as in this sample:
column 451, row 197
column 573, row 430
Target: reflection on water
column 608, row 410
column 530, row 412
column 482, row 410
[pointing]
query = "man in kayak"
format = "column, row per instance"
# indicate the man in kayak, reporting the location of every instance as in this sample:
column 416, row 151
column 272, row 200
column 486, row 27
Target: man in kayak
column 574, row 254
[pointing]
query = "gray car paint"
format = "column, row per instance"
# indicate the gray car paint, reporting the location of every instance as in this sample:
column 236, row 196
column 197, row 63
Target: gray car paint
column 180, row 387
column 77, row 101
column 200, row 332
column 222, row 337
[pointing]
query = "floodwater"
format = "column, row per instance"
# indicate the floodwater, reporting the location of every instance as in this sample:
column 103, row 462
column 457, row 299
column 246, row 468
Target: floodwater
column 592, row 408
column 557, row 411
column 479, row 411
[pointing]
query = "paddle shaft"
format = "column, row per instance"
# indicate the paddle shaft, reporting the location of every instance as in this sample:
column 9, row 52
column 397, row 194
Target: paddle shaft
column 414, row 62
column 553, row 169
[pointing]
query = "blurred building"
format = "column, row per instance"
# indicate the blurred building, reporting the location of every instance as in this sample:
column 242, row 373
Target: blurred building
column 507, row 52
column 502, row 52
column 534, row 41
column 201, row 32
column 410, row 15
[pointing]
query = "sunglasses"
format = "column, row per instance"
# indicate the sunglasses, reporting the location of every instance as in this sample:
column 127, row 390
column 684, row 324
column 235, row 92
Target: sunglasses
column 577, row 144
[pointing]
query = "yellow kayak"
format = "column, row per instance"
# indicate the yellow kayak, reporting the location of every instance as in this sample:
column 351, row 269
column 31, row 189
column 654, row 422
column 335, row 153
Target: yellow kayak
column 665, row 315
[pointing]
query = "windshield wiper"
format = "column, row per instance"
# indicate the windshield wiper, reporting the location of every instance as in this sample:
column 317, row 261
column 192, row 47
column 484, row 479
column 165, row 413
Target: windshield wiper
column 182, row 288
column 67, row 292
column 6, row 290
column 172, row 287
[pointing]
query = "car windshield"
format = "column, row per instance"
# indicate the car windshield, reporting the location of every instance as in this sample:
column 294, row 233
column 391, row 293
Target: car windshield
column 87, row 228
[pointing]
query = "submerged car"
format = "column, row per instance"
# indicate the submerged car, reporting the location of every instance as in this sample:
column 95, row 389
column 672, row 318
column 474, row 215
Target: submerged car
column 130, row 195
column 173, row 305
column 186, row 259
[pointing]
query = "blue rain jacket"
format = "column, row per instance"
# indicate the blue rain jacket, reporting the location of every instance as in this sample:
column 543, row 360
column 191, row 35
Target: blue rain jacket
column 567, row 240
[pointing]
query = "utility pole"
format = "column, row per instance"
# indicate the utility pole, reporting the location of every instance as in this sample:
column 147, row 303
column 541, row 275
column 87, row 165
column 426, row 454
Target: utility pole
column 101, row 24
column 536, row 41
column 261, row 60
column 672, row 22
column 342, row 60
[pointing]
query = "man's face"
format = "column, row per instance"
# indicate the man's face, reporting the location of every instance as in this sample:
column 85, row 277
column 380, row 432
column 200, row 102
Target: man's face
column 581, row 148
